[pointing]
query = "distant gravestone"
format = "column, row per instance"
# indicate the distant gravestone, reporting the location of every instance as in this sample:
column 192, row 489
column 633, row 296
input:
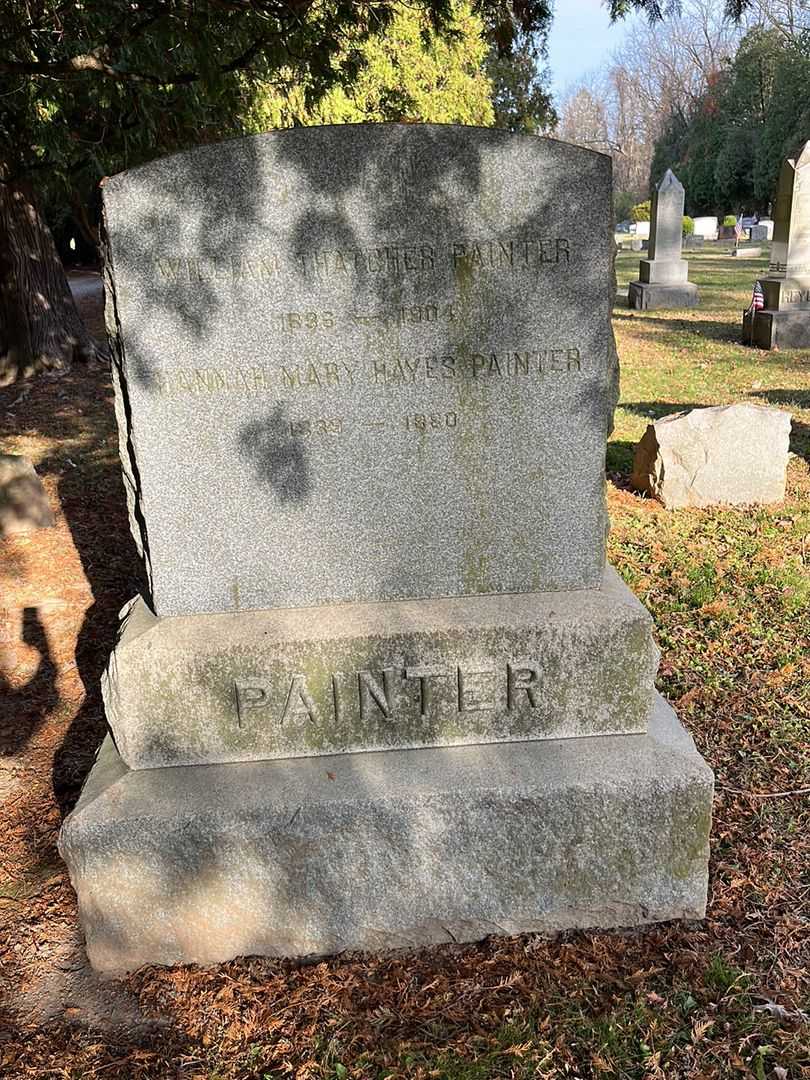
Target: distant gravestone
column 365, row 378
column 706, row 227
column 759, row 232
column 23, row 502
column 663, row 276
column 733, row 454
column 784, row 322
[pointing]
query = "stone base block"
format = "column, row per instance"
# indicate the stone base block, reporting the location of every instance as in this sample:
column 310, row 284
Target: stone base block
column 648, row 297
column 777, row 329
column 663, row 271
column 202, row 689
column 200, row 864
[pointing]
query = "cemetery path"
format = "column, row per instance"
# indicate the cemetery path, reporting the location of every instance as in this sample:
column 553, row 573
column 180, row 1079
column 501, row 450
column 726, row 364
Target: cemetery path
column 730, row 594
column 87, row 288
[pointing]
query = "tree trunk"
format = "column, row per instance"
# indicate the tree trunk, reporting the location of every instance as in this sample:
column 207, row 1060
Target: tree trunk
column 40, row 327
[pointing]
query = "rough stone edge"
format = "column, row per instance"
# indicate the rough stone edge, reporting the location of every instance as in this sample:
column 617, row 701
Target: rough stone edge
column 123, row 410
column 644, row 477
column 664, row 729
column 613, row 365
column 138, row 618
column 147, row 171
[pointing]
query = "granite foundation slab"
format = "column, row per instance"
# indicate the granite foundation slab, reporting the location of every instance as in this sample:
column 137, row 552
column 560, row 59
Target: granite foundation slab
column 643, row 296
column 403, row 848
column 777, row 329
column 267, row 684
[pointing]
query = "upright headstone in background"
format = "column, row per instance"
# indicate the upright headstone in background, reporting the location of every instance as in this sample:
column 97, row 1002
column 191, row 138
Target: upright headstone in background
column 663, row 277
column 365, row 381
column 785, row 319
column 706, row 227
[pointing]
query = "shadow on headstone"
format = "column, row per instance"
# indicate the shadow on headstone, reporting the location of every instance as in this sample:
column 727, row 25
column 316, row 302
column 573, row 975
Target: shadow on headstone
column 279, row 459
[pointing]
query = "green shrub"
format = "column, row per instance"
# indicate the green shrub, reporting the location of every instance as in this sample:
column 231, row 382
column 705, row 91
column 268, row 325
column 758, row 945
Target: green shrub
column 688, row 225
column 729, row 219
column 641, row 211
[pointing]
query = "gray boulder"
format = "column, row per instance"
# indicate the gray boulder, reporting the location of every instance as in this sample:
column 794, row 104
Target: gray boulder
column 734, row 454
column 23, row 503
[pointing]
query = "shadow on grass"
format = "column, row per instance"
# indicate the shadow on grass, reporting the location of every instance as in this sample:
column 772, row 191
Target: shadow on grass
column 73, row 419
column 26, row 709
column 654, row 410
column 94, row 504
column 620, row 454
column 619, row 462
column 705, row 327
column 790, row 400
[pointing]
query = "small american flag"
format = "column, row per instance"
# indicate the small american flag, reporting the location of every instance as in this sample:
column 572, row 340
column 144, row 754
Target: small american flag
column 757, row 299
column 738, row 227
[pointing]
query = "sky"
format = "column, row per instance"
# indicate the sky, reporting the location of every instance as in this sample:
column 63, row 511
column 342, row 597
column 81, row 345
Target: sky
column 581, row 39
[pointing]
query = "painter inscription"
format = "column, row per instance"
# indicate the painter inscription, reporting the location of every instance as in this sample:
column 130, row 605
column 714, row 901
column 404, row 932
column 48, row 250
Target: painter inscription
column 388, row 260
column 524, row 363
column 395, row 692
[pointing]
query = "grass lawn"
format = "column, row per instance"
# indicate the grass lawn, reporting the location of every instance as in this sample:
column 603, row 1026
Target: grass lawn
column 730, row 594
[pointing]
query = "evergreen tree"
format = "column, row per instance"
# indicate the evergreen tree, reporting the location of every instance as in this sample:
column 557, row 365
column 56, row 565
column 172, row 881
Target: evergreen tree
column 520, row 94
column 412, row 73
column 756, row 112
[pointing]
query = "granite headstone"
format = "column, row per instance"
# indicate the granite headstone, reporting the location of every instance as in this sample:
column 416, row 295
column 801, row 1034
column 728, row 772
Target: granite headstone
column 365, row 381
column 362, row 363
column 785, row 319
column 662, row 281
column 706, row 227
